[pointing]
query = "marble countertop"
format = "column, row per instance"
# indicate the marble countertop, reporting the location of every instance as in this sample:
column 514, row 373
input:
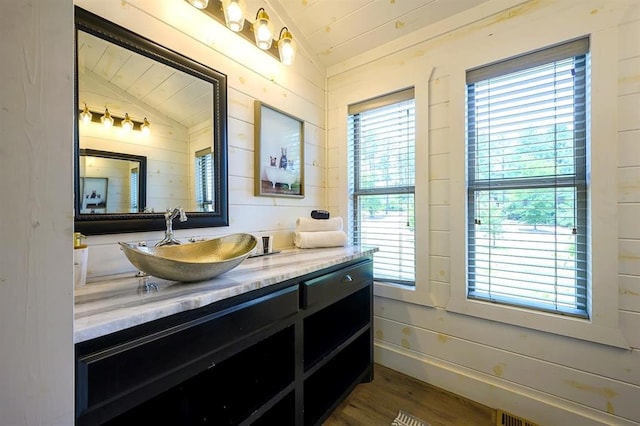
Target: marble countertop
column 111, row 305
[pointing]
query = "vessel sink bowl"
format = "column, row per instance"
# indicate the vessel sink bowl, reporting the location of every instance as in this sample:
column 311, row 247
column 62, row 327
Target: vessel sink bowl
column 191, row 262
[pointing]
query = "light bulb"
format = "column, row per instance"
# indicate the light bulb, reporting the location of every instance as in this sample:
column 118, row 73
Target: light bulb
column 85, row 115
column 107, row 120
column 263, row 30
column 145, row 126
column 127, row 124
column 286, row 47
column 234, row 12
column 199, row 4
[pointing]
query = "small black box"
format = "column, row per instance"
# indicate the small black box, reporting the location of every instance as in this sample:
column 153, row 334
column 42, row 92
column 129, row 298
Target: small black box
column 319, row 214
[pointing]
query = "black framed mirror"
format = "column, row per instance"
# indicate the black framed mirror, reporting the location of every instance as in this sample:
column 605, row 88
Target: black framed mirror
column 142, row 103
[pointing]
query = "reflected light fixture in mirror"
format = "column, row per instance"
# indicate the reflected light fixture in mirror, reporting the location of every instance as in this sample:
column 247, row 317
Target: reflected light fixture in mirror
column 107, row 120
column 145, row 126
column 127, row 124
column 234, row 14
column 263, row 30
column 85, row 115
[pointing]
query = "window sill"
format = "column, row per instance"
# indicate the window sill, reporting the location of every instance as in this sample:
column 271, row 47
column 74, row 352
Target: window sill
column 584, row 329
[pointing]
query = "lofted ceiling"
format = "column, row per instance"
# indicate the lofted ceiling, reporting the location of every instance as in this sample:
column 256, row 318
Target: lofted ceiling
column 123, row 81
column 327, row 31
column 332, row 31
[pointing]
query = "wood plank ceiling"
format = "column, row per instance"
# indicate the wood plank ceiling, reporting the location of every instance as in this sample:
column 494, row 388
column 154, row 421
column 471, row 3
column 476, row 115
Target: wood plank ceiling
column 332, row 31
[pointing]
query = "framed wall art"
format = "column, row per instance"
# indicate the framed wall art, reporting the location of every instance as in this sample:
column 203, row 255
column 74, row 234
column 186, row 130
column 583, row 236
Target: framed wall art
column 279, row 153
column 94, row 194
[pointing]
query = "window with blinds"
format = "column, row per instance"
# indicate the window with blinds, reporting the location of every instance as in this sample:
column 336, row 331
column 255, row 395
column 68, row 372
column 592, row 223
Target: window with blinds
column 527, row 181
column 381, row 137
column 203, row 176
column 134, row 193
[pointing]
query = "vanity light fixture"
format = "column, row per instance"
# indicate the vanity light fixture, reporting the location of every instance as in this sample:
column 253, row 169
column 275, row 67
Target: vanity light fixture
column 263, row 30
column 286, row 47
column 234, row 14
column 85, row 114
column 199, row 4
column 127, row 124
column 145, row 126
column 106, row 119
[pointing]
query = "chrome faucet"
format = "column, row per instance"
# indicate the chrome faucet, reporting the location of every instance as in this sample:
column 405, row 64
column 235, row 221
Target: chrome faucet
column 168, row 234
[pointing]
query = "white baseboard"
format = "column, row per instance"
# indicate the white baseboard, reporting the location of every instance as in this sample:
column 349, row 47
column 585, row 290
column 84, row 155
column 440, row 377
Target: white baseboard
column 535, row 406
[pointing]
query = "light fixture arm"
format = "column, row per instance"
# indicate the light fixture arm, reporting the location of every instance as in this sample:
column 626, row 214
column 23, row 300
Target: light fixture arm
column 285, row 31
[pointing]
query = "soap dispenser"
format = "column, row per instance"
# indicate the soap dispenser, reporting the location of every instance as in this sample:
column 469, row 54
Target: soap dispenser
column 80, row 256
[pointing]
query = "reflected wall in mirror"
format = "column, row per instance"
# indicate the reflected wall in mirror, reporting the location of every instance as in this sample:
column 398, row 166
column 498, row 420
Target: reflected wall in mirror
column 138, row 99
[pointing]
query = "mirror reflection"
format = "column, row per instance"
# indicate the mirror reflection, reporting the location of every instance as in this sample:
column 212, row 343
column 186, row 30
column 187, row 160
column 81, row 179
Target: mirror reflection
column 112, row 182
column 130, row 104
column 140, row 102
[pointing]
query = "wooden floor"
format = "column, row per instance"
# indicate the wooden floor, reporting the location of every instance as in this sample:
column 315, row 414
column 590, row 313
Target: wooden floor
column 378, row 402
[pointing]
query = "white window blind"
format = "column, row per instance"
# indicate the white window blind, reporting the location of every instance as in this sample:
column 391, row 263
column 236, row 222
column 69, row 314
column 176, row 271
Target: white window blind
column 204, row 184
column 527, row 181
column 381, row 135
column 134, row 194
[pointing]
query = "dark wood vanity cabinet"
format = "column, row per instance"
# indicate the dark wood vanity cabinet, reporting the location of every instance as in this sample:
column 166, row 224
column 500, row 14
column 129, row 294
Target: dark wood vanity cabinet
column 286, row 354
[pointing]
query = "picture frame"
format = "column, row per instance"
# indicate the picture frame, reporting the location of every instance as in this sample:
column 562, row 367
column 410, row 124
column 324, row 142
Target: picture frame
column 279, row 153
column 94, row 194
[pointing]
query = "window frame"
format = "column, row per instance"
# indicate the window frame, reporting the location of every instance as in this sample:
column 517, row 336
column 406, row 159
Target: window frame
column 203, row 160
column 355, row 191
column 578, row 49
column 603, row 326
column 134, row 197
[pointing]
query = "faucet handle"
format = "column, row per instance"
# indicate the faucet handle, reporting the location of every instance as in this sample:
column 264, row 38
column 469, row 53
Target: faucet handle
column 172, row 213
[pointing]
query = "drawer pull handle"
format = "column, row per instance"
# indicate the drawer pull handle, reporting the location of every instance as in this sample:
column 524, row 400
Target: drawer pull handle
column 347, row 279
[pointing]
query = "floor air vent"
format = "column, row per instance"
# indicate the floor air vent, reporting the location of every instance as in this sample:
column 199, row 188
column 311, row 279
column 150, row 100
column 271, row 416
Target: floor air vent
column 507, row 419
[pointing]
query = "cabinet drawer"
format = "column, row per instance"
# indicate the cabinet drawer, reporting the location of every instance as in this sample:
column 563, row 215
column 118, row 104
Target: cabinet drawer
column 324, row 290
column 109, row 381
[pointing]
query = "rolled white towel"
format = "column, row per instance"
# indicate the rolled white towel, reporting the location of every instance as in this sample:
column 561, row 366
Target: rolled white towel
column 307, row 224
column 320, row 239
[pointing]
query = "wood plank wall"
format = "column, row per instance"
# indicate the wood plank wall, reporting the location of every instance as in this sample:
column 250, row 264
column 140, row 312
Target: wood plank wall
column 545, row 376
column 36, row 266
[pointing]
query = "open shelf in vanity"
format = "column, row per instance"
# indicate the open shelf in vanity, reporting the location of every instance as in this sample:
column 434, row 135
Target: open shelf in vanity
column 337, row 348
column 285, row 354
